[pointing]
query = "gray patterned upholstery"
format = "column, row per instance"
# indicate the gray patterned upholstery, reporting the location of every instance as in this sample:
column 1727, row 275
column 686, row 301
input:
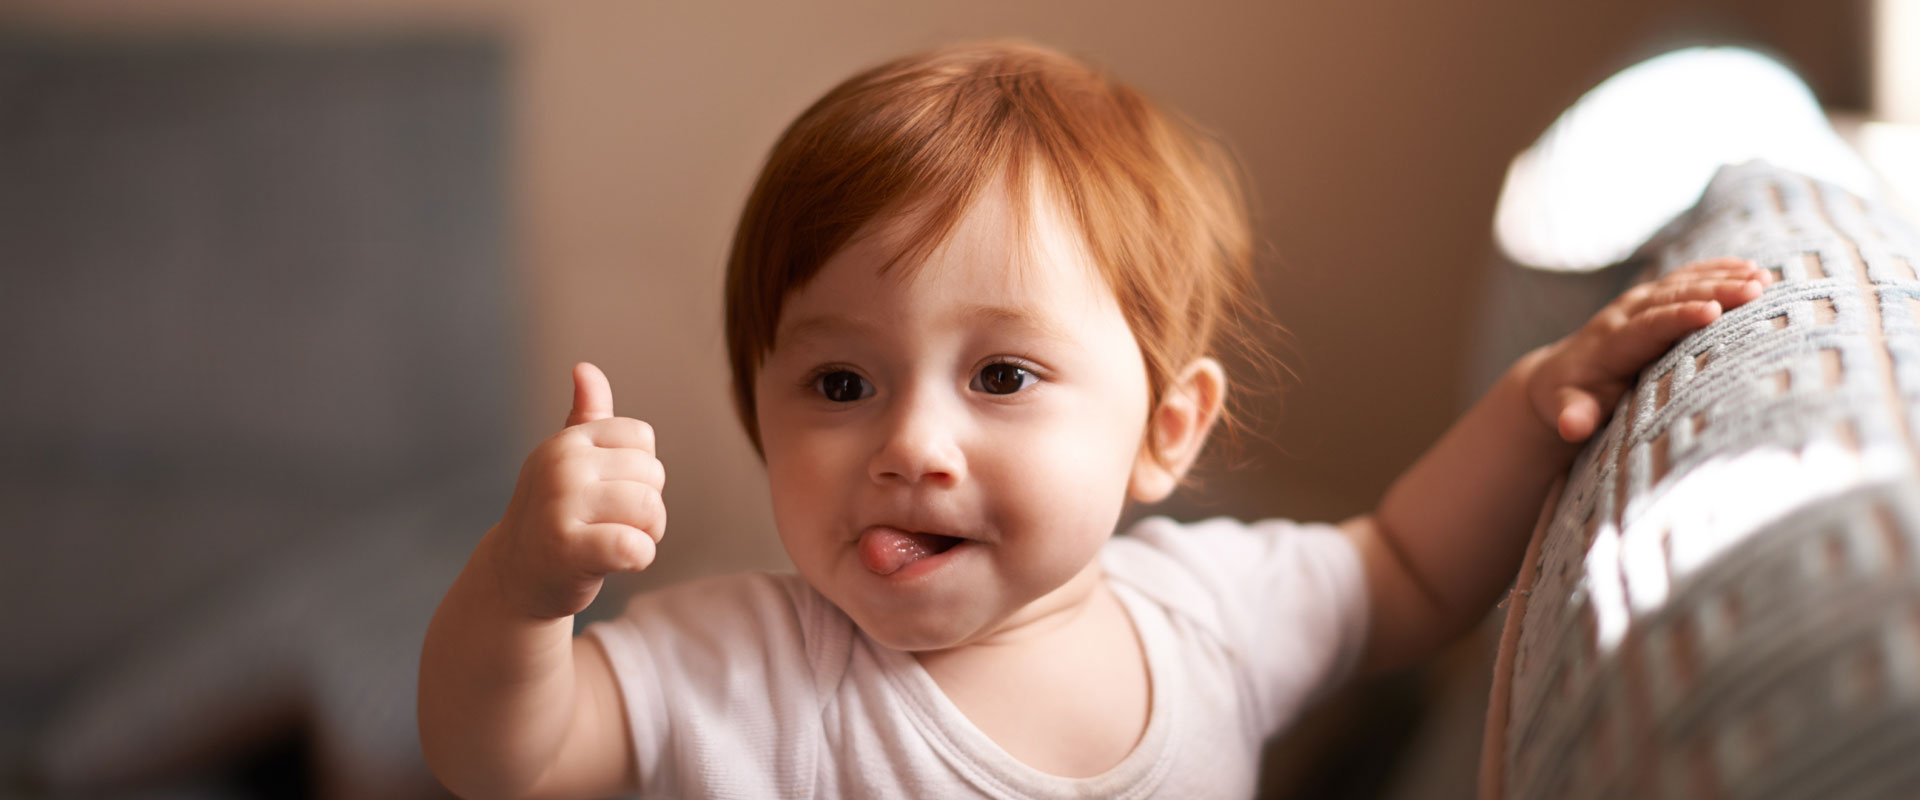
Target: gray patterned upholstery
column 1724, row 602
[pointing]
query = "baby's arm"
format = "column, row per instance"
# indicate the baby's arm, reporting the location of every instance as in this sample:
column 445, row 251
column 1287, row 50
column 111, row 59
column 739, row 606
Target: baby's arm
column 1449, row 535
column 511, row 704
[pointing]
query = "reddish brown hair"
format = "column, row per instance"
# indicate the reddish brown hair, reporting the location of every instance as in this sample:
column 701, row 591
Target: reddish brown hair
column 1159, row 204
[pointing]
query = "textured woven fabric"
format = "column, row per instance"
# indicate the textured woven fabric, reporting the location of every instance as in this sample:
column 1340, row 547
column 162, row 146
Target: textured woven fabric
column 1723, row 600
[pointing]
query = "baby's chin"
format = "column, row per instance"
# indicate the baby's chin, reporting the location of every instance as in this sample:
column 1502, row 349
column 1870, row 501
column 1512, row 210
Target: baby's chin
column 917, row 632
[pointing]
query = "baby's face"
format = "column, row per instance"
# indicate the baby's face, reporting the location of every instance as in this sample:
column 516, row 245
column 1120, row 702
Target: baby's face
column 950, row 446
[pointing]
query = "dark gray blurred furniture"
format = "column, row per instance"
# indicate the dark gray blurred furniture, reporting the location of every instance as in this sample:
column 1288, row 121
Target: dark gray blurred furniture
column 256, row 400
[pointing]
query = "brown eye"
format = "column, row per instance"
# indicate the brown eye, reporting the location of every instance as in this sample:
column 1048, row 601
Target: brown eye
column 842, row 386
column 1002, row 378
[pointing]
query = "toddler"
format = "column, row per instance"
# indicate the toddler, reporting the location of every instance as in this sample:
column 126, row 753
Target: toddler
column 972, row 308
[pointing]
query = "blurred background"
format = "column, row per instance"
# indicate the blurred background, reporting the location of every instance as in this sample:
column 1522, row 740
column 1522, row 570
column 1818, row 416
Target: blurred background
column 287, row 291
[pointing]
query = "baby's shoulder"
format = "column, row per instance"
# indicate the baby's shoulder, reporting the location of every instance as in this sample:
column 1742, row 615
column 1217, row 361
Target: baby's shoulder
column 1222, row 546
column 1221, row 572
column 733, row 620
column 766, row 597
column 726, row 664
column 1284, row 602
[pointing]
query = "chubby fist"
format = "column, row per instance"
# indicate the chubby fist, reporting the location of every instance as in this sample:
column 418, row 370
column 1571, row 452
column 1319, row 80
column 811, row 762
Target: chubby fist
column 587, row 503
column 1574, row 383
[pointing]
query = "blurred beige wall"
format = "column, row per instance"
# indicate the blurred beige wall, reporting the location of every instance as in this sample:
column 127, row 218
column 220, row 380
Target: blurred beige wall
column 1376, row 133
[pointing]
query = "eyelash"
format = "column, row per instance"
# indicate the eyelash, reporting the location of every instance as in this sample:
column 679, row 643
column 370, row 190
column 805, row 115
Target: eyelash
column 812, row 383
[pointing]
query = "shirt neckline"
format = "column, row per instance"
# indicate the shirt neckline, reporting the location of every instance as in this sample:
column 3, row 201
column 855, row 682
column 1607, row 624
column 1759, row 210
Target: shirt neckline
column 983, row 762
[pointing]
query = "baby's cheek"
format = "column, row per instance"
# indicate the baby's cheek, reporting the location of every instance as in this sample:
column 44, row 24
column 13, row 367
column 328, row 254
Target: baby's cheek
column 800, row 474
column 1076, row 485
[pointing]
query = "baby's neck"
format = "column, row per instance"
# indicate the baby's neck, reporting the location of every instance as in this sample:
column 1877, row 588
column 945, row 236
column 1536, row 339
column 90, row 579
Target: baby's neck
column 1051, row 614
column 1065, row 692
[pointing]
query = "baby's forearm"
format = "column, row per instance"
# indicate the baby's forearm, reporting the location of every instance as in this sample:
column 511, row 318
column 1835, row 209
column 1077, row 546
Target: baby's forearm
column 1462, row 513
column 1451, row 531
column 496, row 687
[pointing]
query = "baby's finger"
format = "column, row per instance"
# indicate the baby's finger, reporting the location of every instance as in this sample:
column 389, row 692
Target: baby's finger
column 1714, row 266
column 1718, row 269
column 1652, row 332
column 611, row 547
column 1729, row 293
column 618, row 432
column 1579, row 414
column 628, row 503
column 630, row 464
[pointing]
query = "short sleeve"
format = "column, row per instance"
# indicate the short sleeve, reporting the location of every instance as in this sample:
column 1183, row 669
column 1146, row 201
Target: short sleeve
column 1286, row 601
column 718, row 688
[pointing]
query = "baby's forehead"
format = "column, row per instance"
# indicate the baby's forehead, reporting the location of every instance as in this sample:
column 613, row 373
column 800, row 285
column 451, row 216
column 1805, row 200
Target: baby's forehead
column 1031, row 323
column 995, row 254
column 1023, row 224
column 978, row 281
column 1002, row 263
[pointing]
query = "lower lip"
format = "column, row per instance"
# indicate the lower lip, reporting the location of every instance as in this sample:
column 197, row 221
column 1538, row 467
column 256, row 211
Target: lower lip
column 926, row 565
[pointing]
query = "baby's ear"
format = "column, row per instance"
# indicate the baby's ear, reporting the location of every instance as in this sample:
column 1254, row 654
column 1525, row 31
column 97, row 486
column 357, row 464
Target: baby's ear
column 1177, row 430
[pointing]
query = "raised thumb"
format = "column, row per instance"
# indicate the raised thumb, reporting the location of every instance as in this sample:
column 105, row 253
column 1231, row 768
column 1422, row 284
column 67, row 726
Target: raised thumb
column 592, row 395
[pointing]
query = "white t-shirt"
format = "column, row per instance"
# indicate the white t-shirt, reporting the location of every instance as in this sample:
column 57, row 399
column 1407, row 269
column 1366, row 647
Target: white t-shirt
column 755, row 686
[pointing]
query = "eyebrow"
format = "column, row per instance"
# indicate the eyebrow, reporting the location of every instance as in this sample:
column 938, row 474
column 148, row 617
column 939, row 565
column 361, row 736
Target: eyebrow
column 1021, row 319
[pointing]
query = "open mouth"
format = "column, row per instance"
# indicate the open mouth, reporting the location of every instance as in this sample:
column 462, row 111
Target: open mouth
column 887, row 550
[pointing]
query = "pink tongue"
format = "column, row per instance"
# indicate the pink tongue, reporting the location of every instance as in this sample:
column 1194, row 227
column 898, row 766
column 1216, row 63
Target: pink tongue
column 886, row 550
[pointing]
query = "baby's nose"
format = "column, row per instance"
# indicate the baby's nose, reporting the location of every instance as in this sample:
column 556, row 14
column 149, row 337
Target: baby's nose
column 919, row 443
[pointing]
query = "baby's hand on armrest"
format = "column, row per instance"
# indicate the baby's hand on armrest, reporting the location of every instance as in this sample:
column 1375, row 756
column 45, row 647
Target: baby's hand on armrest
column 1573, row 384
column 1449, row 535
column 587, row 503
